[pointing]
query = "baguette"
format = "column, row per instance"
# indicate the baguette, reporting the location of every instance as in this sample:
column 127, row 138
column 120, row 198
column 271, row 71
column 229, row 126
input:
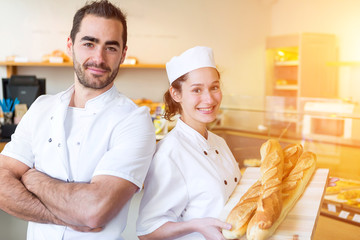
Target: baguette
column 244, row 210
column 292, row 153
column 269, row 204
column 241, row 214
column 292, row 188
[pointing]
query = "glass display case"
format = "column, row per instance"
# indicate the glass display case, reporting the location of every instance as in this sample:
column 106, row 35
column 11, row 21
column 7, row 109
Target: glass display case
column 328, row 127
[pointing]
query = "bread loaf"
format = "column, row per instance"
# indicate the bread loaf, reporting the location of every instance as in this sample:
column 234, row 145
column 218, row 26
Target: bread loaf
column 269, row 204
column 241, row 214
column 292, row 188
column 292, row 153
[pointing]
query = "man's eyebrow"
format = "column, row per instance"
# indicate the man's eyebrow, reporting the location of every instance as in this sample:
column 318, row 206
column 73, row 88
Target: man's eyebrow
column 96, row 40
column 116, row 43
column 91, row 39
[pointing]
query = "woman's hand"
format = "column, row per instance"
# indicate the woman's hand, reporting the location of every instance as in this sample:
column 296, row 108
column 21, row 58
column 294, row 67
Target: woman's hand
column 210, row 228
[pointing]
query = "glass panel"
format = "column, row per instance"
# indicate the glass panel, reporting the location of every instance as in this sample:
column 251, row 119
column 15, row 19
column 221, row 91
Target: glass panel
column 328, row 127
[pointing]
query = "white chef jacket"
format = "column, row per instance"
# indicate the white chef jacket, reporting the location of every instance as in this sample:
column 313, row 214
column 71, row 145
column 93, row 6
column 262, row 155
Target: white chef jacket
column 189, row 177
column 119, row 140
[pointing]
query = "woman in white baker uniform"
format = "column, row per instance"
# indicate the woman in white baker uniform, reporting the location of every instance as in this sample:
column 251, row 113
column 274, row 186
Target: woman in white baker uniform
column 193, row 171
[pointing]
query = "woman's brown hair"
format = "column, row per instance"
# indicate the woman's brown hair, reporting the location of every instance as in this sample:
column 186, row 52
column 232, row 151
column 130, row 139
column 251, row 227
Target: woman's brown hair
column 171, row 106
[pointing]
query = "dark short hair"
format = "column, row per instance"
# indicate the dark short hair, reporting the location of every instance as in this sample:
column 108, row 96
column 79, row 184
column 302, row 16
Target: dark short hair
column 102, row 8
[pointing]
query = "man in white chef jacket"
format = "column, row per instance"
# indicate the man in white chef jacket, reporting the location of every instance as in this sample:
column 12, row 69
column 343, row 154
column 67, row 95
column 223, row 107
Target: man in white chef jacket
column 78, row 157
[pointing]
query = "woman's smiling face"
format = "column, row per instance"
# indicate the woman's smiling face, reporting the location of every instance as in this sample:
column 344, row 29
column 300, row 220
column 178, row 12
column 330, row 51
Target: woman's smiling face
column 200, row 97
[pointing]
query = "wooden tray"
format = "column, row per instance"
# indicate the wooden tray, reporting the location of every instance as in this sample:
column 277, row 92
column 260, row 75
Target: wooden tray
column 301, row 220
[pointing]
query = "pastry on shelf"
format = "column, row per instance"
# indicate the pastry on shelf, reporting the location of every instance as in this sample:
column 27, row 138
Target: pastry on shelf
column 354, row 203
column 332, row 190
column 56, row 56
column 349, row 194
column 148, row 103
column 342, row 184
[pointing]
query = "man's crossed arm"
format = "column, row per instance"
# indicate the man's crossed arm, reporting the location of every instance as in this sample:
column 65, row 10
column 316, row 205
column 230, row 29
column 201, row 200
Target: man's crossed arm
column 34, row 196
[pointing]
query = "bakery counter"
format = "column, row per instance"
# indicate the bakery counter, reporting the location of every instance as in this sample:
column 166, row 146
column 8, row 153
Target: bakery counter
column 342, row 202
column 341, row 160
column 341, row 211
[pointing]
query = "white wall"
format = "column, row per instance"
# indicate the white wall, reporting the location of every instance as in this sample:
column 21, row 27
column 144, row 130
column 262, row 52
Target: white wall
column 158, row 30
column 339, row 17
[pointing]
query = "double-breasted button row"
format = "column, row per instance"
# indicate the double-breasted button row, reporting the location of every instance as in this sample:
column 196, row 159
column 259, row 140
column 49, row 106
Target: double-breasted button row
column 216, row 151
column 50, row 140
column 59, row 144
column 182, row 214
column 225, row 182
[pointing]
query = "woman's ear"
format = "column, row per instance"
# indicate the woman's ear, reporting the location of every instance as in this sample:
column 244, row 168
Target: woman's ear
column 175, row 94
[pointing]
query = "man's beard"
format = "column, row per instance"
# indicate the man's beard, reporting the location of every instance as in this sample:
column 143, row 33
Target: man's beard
column 86, row 82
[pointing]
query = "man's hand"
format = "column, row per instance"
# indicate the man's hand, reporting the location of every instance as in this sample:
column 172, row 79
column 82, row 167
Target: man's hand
column 31, row 178
column 15, row 199
column 86, row 229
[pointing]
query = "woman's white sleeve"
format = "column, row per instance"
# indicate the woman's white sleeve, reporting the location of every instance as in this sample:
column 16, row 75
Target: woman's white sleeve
column 165, row 195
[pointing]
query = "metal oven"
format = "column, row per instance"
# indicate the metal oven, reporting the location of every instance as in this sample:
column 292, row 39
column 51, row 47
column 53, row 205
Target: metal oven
column 328, row 120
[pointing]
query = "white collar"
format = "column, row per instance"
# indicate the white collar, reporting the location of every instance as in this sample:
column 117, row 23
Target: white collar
column 97, row 102
column 194, row 136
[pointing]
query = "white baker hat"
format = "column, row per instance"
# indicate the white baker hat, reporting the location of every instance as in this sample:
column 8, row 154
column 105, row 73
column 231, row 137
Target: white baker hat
column 191, row 59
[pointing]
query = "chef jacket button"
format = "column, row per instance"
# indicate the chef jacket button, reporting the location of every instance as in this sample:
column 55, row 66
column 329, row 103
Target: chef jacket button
column 225, row 182
column 59, row 144
column 217, row 152
column 51, row 118
column 50, row 140
column 235, row 179
column 78, row 143
column 205, row 152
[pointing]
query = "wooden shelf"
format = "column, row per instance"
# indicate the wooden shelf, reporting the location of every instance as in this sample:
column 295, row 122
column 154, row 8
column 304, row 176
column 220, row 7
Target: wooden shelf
column 339, row 64
column 139, row 65
column 287, row 63
column 35, row 64
column 11, row 67
column 297, row 66
column 70, row 64
column 292, row 87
